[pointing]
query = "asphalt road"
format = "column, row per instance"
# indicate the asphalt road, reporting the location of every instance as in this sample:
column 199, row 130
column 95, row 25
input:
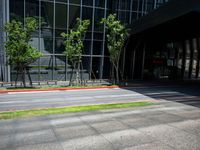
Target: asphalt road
column 16, row 101
column 20, row 101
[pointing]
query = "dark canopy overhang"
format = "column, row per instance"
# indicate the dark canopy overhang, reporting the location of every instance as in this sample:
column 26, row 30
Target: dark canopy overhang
column 175, row 20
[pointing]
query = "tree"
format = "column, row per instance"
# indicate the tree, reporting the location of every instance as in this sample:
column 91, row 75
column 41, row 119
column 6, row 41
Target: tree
column 116, row 37
column 19, row 52
column 73, row 42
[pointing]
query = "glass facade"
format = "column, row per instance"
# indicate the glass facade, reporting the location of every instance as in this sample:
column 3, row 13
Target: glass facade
column 174, row 60
column 59, row 16
column 1, row 41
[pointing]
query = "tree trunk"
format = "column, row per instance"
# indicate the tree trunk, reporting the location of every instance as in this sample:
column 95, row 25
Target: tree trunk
column 29, row 76
column 117, row 74
column 81, row 73
column 116, row 66
column 23, row 76
column 78, row 74
column 112, row 74
column 17, row 76
column 70, row 80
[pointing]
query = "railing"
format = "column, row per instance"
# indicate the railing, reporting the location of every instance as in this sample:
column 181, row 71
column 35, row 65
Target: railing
column 54, row 82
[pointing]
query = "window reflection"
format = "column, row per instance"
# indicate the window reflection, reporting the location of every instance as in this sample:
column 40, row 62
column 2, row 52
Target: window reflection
column 61, row 16
column 47, row 12
column 50, row 42
column 74, row 13
column 17, row 10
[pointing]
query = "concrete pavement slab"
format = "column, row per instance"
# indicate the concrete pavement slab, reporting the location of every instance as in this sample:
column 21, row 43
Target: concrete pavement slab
column 5, row 141
column 36, row 137
column 44, row 146
column 88, row 143
column 189, row 114
column 190, row 126
column 176, row 138
column 166, row 118
column 138, row 122
column 31, row 125
column 109, row 126
column 74, row 132
column 151, row 146
column 127, row 138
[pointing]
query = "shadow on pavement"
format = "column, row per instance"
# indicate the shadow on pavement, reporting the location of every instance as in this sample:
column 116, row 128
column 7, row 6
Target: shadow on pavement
column 186, row 92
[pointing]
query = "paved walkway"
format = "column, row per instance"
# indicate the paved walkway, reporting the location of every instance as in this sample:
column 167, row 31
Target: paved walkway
column 174, row 124
column 168, row 126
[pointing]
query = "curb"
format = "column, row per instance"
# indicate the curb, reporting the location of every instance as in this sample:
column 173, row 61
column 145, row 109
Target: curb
column 57, row 89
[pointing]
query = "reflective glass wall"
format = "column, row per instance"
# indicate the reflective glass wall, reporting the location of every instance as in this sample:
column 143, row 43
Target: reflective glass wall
column 59, row 16
column 1, row 42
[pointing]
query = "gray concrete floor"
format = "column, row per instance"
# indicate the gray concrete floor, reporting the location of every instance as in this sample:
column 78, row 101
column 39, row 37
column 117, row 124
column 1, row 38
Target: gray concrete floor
column 171, row 125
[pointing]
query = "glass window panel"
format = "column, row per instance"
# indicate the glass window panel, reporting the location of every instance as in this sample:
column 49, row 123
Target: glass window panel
column 124, row 16
column 187, row 60
column 47, row 13
column 61, row 16
column 32, row 8
column 87, row 47
column 133, row 17
column 97, row 47
column 87, row 14
column 195, row 58
column 34, row 71
column 86, row 68
column 59, row 46
column 150, row 5
column 63, row 1
column 125, row 4
column 46, row 68
column 96, row 61
column 135, row 5
column 75, row 1
column 99, row 14
column 106, row 68
column 46, row 32
column 34, row 42
column 74, row 12
column 100, row 3
column 46, row 45
column 98, row 35
column 106, row 52
column 17, row 10
column 88, row 35
column 59, row 68
column 59, row 31
column 88, row 2
column 140, row 5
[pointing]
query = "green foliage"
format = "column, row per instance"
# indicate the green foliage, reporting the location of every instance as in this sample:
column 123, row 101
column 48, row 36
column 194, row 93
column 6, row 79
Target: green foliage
column 73, row 40
column 18, row 49
column 117, row 34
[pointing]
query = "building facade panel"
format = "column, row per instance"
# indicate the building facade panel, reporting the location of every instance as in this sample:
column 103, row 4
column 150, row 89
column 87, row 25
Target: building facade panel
column 59, row 16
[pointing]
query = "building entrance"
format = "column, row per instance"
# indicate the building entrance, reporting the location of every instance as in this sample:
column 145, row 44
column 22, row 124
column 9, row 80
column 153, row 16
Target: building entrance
column 177, row 60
